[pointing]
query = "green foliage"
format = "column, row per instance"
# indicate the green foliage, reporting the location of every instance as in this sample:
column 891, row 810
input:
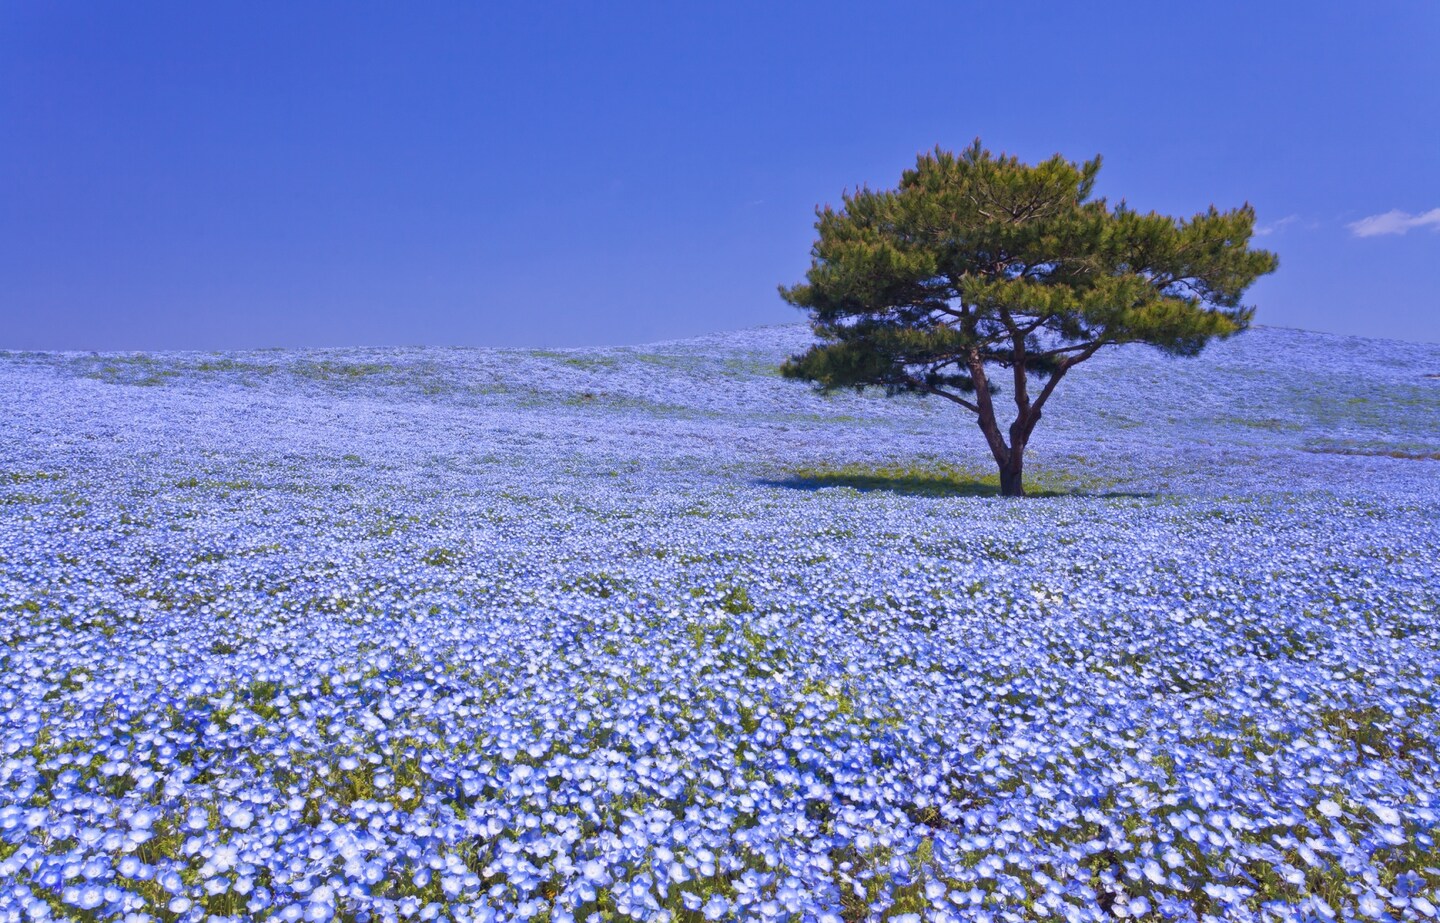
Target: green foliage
column 984, row 254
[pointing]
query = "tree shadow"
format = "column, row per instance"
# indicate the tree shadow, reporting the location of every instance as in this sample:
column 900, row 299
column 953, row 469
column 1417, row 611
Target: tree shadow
column 911, row 482
column 906, row 485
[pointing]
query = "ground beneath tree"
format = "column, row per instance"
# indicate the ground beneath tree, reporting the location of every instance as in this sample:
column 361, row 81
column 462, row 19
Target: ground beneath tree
column 483, row 634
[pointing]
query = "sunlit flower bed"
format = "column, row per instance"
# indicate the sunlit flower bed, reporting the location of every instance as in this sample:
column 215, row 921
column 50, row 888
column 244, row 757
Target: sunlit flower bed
column 474, row 635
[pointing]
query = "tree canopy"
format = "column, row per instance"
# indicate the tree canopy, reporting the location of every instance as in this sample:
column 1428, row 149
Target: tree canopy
column 979, row 262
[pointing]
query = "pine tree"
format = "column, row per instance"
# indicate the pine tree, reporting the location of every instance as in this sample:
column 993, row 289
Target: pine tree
column 978, row 263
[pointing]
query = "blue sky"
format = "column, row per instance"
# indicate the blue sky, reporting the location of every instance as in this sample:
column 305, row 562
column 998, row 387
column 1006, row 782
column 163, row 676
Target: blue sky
column 217, row 175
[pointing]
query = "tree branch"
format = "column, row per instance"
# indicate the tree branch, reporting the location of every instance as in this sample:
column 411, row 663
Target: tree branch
column 931, row 389
column 1061, row 350
column 986, row 409
column 1090, row 350
column 1021, row 373
column 955, row 398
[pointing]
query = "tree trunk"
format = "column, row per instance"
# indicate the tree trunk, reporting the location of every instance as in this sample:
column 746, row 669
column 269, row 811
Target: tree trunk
column 1011, row 458
column 1012, row 473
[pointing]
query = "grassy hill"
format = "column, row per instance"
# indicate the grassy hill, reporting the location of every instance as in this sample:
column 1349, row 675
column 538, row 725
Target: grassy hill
column 639, row 631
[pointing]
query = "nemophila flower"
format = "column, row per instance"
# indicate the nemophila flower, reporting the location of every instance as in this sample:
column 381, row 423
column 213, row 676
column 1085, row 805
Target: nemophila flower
column 715, row 908
column 606, row 661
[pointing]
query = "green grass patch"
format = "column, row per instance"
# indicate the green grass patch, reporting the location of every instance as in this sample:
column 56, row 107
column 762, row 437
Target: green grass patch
column 30, row 477
column 1375, row 451
column 936, row 479
column 333, row 370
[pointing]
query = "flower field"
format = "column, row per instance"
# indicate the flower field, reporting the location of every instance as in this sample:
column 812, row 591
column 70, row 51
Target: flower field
column 650, row 633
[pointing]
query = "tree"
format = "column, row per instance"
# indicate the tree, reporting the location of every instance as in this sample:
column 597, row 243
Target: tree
column 980, row 262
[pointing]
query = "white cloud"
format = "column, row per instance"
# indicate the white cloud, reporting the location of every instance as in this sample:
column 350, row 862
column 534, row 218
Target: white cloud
column 1395, row 222
column 1267, row 229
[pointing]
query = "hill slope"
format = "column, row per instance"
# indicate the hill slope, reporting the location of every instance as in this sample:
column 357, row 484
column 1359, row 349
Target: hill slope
column 1269, row 410
column 527, row 634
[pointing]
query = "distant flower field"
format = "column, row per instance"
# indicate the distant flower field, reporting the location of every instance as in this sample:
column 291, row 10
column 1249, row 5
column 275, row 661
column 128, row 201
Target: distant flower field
column 650, row 633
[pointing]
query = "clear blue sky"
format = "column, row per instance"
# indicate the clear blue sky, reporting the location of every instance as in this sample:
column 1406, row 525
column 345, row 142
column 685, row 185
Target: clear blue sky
column 227, row 175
